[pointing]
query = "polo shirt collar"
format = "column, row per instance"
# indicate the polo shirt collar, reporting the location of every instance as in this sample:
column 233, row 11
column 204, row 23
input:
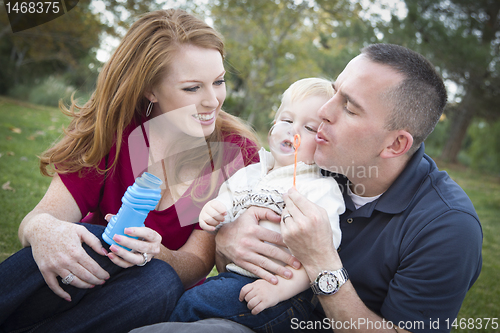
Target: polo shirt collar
column 399, row 195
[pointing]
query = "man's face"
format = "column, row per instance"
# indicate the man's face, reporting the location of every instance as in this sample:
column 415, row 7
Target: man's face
column 353, row 134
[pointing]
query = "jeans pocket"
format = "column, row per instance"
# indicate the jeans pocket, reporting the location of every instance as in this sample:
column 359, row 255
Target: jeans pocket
column 304, row 304
column 281, row 323
column 297, row 309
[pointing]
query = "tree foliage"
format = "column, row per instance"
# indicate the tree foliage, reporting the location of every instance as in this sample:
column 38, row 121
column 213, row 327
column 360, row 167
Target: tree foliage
column 342, row 32
column 65, row 47
column 61, row 45
column 271, row 44
column 268, row 44
column 462, row 38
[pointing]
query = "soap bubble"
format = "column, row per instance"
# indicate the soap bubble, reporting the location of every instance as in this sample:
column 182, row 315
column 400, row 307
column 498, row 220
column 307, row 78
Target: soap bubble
column 280, row 138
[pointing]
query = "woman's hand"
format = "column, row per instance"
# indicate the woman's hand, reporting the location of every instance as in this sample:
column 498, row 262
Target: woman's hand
column 57, row 245
column 142, row 251
column 243, row 242
column 58, row 252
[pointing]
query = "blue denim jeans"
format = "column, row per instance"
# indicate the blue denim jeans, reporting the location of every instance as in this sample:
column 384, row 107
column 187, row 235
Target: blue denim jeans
column 131, row 298
column 218, row 297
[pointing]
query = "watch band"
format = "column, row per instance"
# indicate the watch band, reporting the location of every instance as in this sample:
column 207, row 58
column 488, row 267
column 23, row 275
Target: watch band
column 315, row 289
column 340, row 276
column 342, row 273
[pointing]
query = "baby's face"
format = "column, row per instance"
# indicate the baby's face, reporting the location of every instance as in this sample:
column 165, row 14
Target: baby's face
column 303, row 115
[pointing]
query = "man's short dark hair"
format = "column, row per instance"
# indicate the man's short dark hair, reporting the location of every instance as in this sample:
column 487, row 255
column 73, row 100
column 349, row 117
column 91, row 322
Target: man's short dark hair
column 419, row 100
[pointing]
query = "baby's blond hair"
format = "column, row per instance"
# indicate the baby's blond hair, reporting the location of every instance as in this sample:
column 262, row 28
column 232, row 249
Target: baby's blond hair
column 301, row 89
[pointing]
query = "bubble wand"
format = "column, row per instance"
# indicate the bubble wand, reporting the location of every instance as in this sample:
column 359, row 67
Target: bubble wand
column 296, row 145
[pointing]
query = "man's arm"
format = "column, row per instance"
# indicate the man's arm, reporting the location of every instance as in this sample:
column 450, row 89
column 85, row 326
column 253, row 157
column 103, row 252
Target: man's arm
column 299, row 232
column 242, row 242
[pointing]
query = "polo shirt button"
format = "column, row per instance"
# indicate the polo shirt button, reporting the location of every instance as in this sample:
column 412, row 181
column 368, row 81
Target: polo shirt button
column 350, row 220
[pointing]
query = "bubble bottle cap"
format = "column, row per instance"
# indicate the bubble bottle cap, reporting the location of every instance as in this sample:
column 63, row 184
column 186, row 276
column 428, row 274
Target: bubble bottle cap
column 148, row 180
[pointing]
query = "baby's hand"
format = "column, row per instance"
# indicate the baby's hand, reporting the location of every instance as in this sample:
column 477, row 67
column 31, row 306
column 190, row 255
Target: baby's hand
column 212, row 214
column 259, row 295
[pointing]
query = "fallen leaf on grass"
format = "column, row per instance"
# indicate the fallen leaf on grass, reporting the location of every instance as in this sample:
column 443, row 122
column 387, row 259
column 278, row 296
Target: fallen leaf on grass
column 16, row 130
column 6, row 187
column 37, row 134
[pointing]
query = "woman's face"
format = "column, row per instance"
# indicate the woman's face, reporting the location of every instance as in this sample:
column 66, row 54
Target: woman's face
column 191, row 94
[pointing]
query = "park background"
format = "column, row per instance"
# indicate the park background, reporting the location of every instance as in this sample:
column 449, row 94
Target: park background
column 270, row 44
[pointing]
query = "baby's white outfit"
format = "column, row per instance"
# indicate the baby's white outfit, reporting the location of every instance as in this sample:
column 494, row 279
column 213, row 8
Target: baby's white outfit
column 258, row 185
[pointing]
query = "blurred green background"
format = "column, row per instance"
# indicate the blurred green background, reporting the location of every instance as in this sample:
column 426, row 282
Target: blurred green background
column 272, row 43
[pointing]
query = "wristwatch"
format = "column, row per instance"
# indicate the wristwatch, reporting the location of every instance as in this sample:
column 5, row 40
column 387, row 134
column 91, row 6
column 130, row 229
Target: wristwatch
column 329, row 282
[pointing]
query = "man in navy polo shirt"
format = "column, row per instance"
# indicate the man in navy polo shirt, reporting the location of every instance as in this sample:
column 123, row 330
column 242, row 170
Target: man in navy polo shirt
column 411, row 239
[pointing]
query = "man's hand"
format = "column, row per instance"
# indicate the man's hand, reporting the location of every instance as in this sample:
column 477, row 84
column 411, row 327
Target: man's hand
column 243, row 243
column 308, row 234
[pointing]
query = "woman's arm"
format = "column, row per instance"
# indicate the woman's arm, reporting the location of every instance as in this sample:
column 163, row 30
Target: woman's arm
column 57, row 203
column 57, row 244
column 194, row 260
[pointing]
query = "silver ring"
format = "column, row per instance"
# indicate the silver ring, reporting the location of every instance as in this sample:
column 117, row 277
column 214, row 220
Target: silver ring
column 286, row 216
column 68, row 279
column 145, row 255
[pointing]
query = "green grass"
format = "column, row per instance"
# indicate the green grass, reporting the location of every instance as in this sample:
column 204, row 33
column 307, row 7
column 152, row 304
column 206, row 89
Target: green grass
column 25, row 131
column 483, row 300
column 40, row 126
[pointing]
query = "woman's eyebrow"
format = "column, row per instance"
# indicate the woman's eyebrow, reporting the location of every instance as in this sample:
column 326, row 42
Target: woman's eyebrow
column 196, row 81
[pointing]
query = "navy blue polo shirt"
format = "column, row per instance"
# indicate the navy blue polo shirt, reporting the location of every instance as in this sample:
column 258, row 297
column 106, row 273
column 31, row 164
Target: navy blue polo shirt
column 413, row 253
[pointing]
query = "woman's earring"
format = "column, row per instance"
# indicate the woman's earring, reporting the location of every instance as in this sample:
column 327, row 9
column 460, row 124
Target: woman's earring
column 150, row 108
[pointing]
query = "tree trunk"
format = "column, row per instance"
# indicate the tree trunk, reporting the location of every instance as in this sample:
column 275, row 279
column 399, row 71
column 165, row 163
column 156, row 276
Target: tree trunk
column 461, row 119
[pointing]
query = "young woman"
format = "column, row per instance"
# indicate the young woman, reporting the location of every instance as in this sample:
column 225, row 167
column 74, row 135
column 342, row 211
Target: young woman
column 169, row 70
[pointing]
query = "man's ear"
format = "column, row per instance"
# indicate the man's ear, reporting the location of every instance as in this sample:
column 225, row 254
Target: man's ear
column 401, row 143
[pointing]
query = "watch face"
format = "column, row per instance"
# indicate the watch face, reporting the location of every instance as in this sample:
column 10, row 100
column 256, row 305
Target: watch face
column 328, row 283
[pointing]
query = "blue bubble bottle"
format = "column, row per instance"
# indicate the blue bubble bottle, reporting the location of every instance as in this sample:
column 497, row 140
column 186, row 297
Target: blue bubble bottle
column 139, row 199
